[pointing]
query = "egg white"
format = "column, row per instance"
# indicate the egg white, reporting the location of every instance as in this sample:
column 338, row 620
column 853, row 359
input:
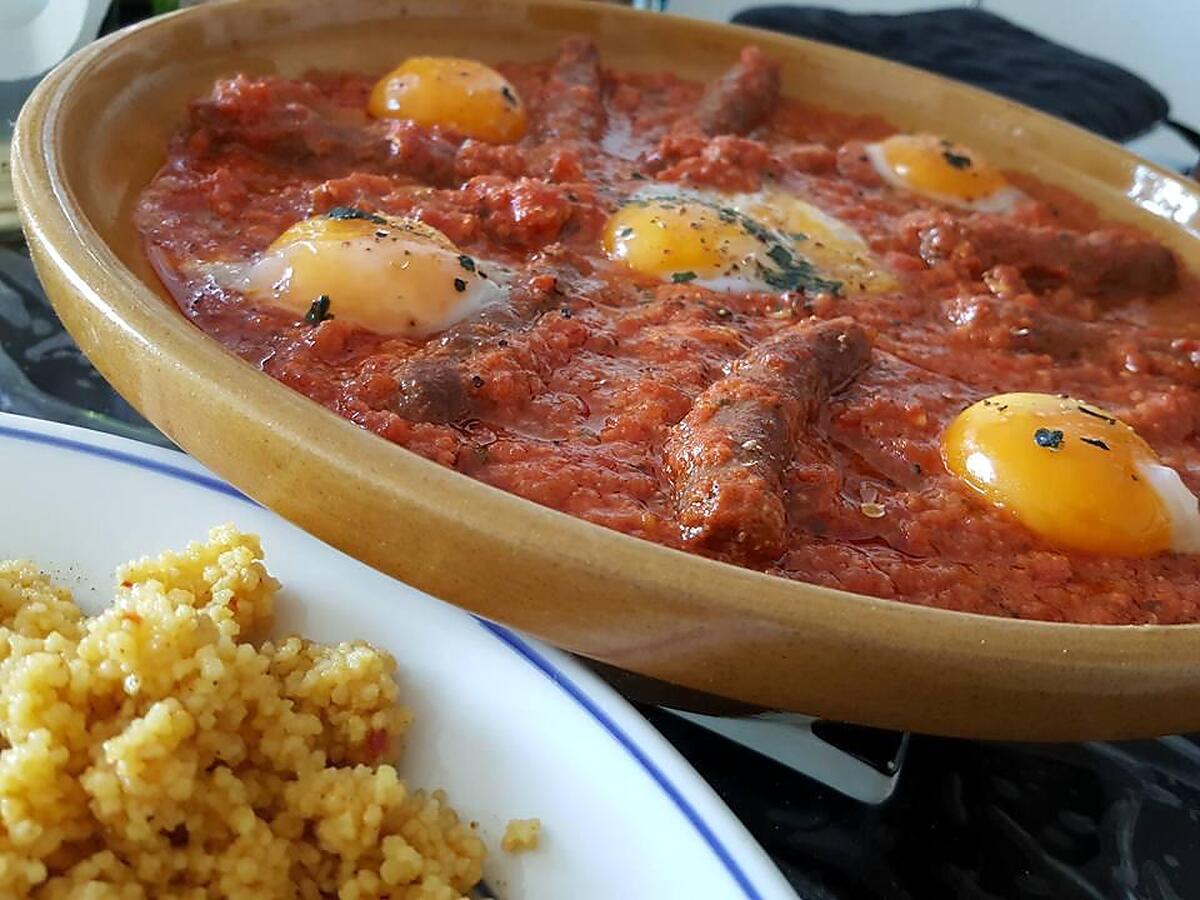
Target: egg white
column 1182, row 507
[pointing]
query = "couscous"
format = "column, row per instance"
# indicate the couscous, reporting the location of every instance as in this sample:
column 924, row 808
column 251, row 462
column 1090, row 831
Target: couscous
column 521, row 835
column 161, row 749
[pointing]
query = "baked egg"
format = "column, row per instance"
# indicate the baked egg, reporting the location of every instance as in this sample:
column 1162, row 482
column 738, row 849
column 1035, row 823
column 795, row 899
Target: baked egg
column 944, row 171
column 1074, row 474
column 767, row 241
column 386, row 274
column 459, row 94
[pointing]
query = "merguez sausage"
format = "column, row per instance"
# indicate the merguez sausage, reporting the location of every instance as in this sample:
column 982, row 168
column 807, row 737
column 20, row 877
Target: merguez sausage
column 431, row 390
column 1108, row 263
column 572, row 105
column 741, row 99
column 726, row 458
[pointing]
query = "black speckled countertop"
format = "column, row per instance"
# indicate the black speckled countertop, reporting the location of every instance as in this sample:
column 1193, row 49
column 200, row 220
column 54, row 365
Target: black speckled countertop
column 970, row 820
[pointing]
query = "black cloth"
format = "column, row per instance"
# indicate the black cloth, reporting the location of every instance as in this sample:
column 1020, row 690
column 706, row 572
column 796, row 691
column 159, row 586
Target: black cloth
column 990, row 52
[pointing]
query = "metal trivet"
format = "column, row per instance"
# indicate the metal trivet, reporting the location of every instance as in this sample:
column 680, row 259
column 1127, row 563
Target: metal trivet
column 861, row 763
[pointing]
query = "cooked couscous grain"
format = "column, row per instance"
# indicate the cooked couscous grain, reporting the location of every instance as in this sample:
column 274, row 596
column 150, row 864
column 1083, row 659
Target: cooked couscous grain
column 520, row 835
column 158, row 750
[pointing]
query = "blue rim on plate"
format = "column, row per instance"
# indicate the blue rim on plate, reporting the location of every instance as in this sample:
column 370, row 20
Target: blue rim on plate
column 510, row 639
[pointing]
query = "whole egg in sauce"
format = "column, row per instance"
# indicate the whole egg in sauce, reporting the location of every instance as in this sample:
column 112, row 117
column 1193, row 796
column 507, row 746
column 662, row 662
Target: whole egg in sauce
column 460, row 94
column 768, row 241
column 386, row 274
column 1073, row 473
column 944, row 171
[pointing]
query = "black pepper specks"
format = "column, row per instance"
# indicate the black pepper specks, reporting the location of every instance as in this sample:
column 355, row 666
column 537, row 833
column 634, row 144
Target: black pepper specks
column 1097, row 415
column 460, row 285
column 318, row 312
column 350, row 212
column 956, row 160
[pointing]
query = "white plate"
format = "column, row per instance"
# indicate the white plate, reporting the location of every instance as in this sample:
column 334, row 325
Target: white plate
column 510, row 727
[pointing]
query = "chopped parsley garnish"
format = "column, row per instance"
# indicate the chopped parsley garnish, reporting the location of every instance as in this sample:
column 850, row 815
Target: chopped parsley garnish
column 624, row 231
column 795, row 273
column 780, row 255
column 790, row 271
column 1050, row 438
column 1095, row 442
column 957, row 160
column 466, row 262
column 460, row 285
column 318, row 312
column 508, row 95
column 349, row 212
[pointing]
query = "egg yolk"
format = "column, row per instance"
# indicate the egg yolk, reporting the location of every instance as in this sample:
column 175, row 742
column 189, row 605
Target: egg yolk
column 389, row 275
column 678, row 239
column 928, row 164
column 1069, row 471
column 458, row 94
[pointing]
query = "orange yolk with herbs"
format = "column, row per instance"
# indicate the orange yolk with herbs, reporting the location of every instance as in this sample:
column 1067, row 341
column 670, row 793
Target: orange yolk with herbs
column 677, row 238
column 942, row 169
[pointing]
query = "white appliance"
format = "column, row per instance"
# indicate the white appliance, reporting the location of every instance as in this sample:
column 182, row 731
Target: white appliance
column 35, row 35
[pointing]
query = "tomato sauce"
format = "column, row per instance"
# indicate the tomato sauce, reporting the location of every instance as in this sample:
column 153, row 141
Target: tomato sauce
column 574, row 398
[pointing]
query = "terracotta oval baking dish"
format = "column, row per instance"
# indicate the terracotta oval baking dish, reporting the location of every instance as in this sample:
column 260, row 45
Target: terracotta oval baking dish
column 94, row 133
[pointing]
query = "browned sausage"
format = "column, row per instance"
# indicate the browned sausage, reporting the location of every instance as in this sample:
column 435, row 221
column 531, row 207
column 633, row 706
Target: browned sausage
column 239, row 112
column 431, row 390
column 1058, row 337
column 1109, row 263
column 741, row 99
column 572, row 104
column 854, row 164
column 1001, row 320
column 727, row 457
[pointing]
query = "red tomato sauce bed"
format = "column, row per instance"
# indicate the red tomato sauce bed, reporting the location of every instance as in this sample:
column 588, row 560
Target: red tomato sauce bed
column 574, row 399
